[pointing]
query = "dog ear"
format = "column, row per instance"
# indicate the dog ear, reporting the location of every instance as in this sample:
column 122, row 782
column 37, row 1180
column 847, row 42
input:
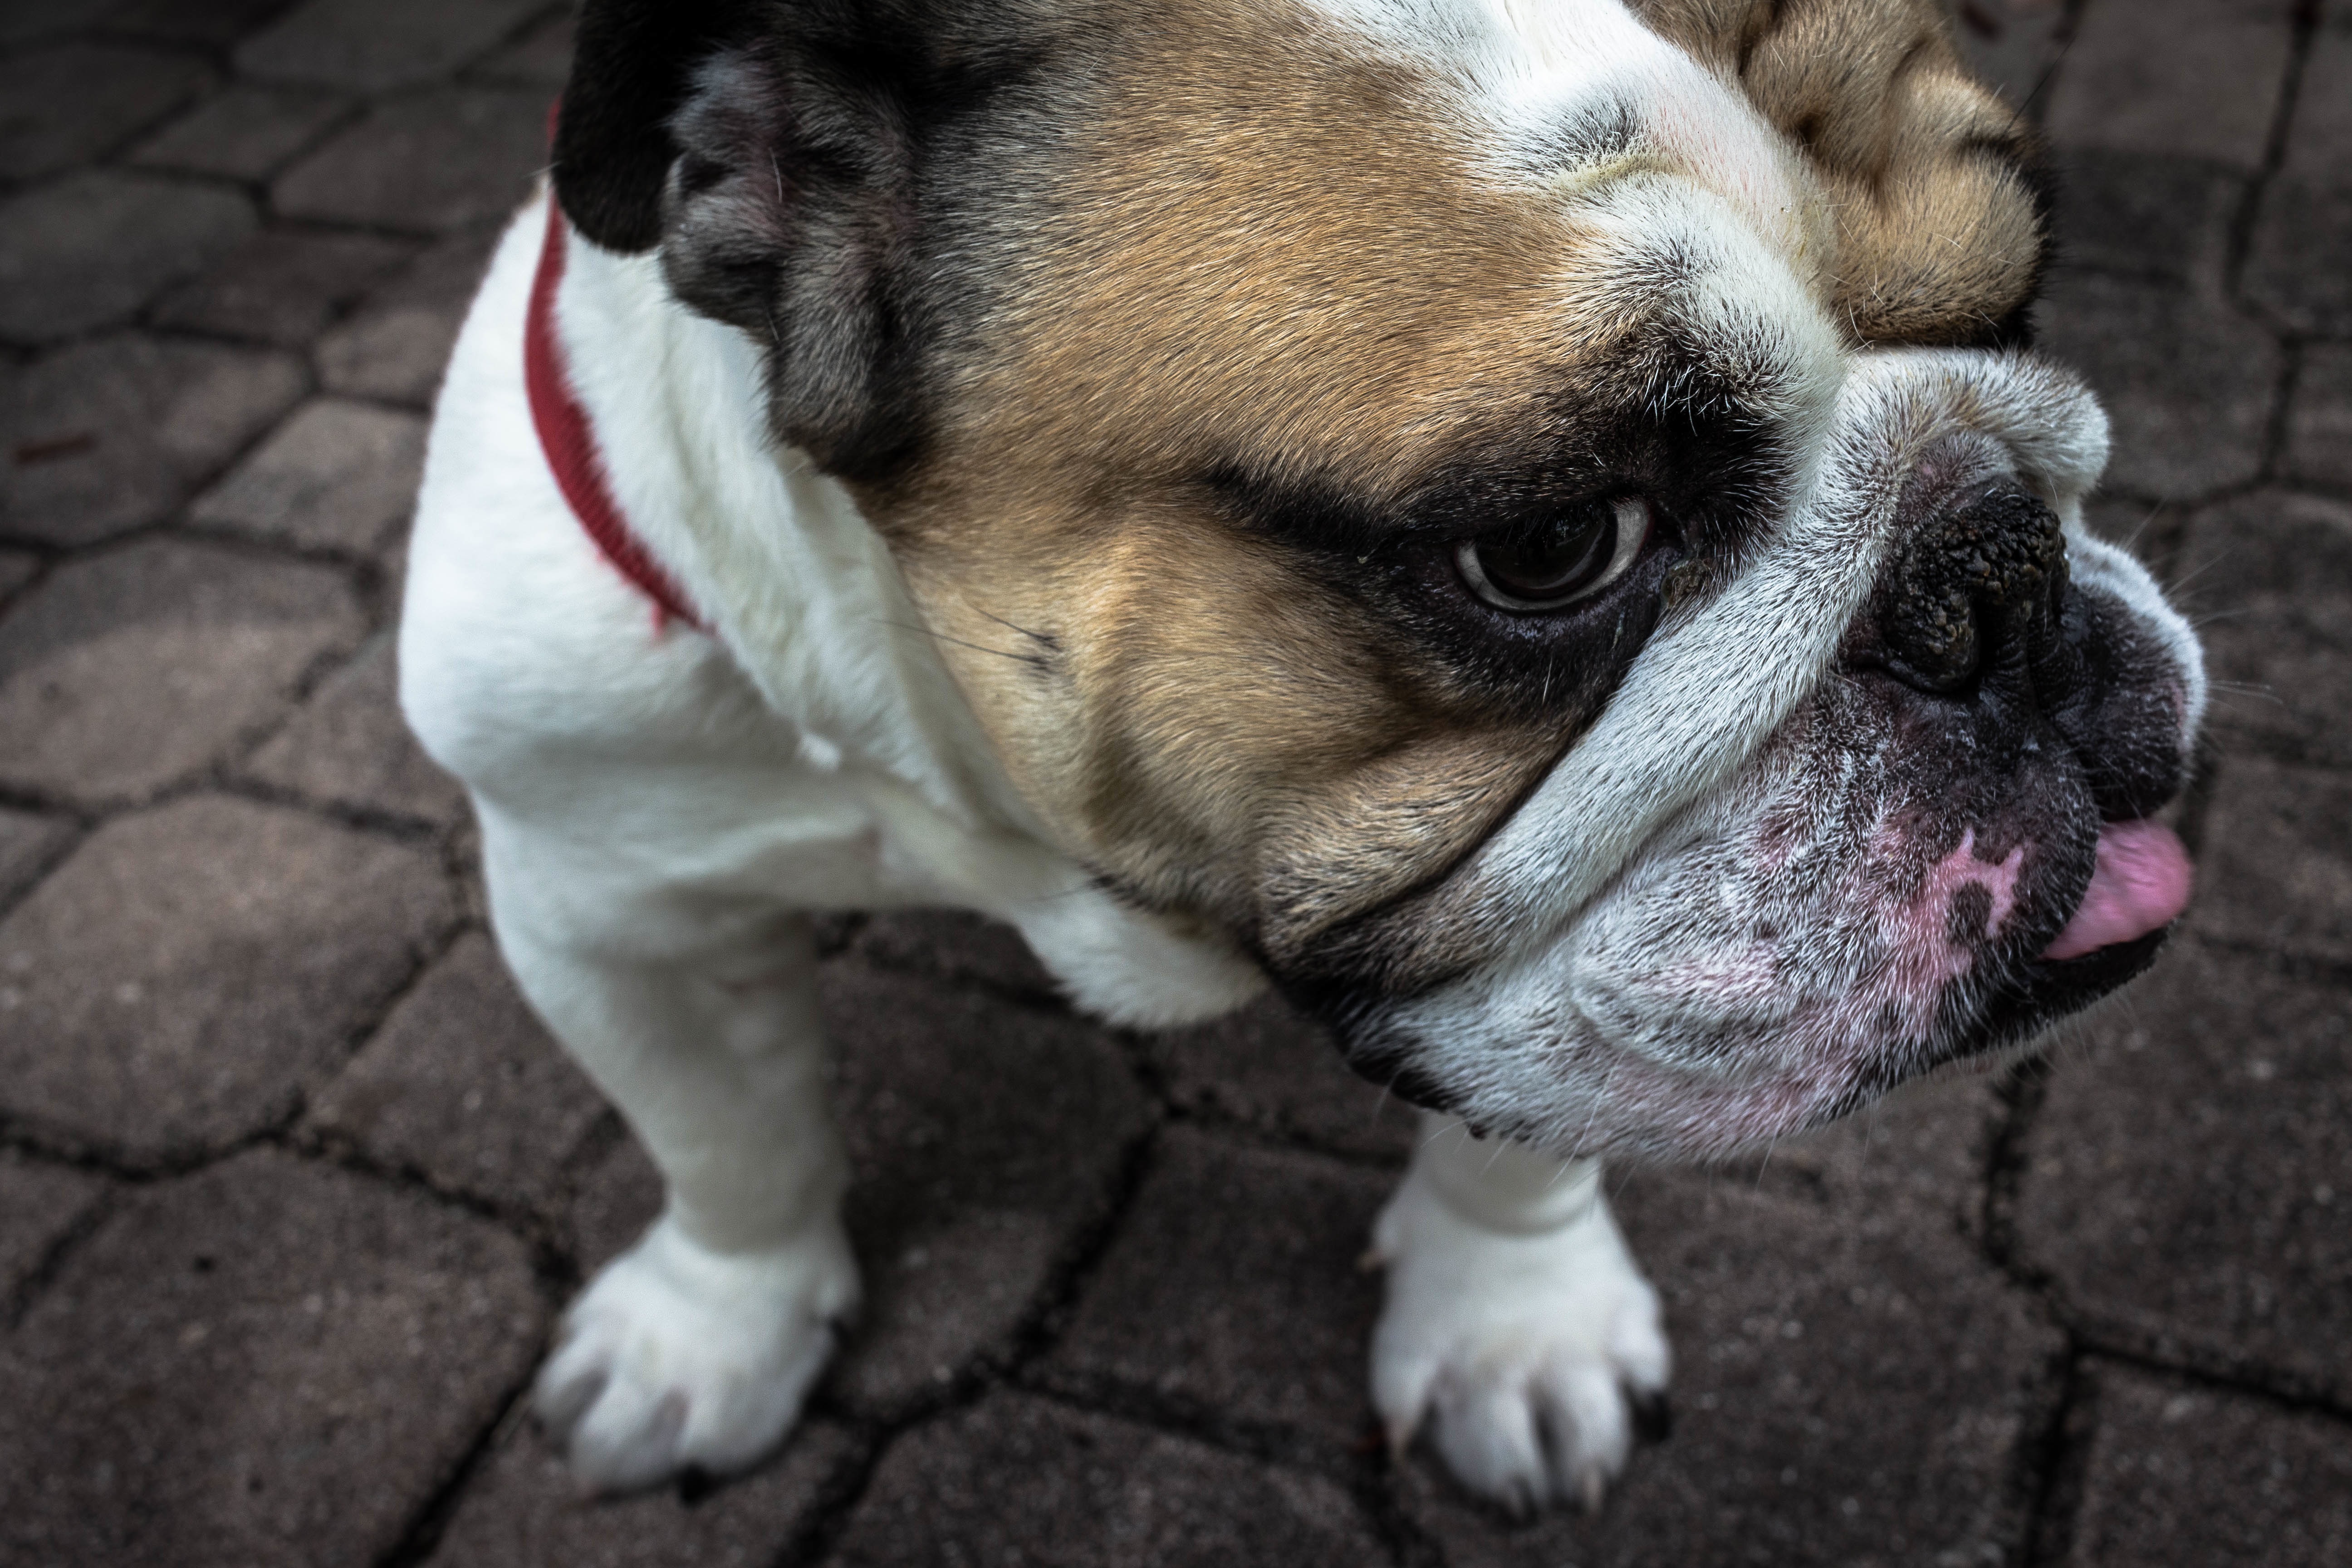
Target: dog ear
column 632, row 67
column 776, row 152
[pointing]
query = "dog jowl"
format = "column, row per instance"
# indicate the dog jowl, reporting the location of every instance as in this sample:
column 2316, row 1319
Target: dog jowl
column 1535, row 529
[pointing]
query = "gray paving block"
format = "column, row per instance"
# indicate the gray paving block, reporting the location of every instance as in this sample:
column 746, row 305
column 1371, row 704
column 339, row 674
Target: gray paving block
column 956, row 945
column 28, row 21
column 189, row 971
column 368, row 47
column 269, row 1362
column 349, row 745
column 612, row 1202
column 188, row 21
column 464, row 1084
column 2197, row 78
column 2148, row 214
column 541, row 57
column 1234, row 1288
column 26, row 844
column 1271, row 1069
column 2011, row 44
column 2268, row 578
column 87, row 250
column 2319, row 421
column 2189, row 1177
column 526, row 1512
column 2275, row 871
column 2187, row 383
column 108, row 435
column 984, row 1138
column 39, row 1202
column 2294, row 266
column 17, row 567
column 338, row 475
column 70, row 103
column 394, row 346
column 283, row 285
column 1851, row 1385
column 122, row 671
column 439, row 159
column 1921, row 1152
column 1018, row 1480
column 245, row 132
column 2190, row 1474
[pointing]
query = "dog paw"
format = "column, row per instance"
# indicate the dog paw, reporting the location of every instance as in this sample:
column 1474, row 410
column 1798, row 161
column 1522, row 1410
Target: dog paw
column 1531, row 1358
column 677, row 1356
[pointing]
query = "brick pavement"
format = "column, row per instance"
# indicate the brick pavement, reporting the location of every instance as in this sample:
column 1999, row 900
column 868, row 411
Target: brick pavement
column 291, row 1185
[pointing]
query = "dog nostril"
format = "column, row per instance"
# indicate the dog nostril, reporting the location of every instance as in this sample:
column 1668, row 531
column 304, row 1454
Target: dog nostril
column 1972, row 582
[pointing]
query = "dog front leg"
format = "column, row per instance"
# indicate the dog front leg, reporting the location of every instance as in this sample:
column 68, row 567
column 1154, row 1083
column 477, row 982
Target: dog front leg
column 1516, row 1323
column 696, row 1346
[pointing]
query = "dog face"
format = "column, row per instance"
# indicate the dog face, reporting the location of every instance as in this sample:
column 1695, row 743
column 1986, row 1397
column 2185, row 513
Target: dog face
column 1533, row 520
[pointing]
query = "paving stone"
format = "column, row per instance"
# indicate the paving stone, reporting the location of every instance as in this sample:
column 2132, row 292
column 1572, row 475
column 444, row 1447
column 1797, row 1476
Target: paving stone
column 1233, row 1288
column 2269, row 580
column 337, row 476
column 370, row 47
column 26, row 21
column 90, row 248
column 1851, row 1385
column 956, row 945
column 2012, row 45
column 39, row 1202
column 2294, row 266
column 439, row 159
column 2182, row 1474
column 2190, row 1175
column 125, row 670
column 246, row 132
column 282, row 285
column 349, row 745
column 2197, row 78
column 2147, row 215
column 268, row 1363
column 108, row 435
column 26, row 843
column 396, row 345
column 527, row 1512
column 1270, row 1068
column 2319, row 422
column 2276, row 870
column 1018, row 1480
column 541, row 57
column 190, row 971
column 2187, row 384
column 190, row 21
column 464, row 1084
column 984, row 1139
column 17, row 567
column 70, row 103
column 612, row 1203
column 2142, row 527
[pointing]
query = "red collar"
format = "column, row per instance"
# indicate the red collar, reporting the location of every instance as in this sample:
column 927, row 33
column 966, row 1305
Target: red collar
column 570, row 441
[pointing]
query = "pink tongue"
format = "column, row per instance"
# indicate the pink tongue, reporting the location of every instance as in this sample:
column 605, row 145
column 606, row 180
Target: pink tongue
column 2141, row 882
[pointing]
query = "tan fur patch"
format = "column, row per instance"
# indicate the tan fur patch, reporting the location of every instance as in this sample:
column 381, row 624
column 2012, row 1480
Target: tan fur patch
column 1939, row 234
column 1266, row 251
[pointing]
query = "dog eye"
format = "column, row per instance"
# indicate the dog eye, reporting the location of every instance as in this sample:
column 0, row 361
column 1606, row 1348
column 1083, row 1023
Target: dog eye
column 1564, row 561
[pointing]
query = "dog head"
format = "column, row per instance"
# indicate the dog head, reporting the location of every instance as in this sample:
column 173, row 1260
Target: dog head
column 1537, row 522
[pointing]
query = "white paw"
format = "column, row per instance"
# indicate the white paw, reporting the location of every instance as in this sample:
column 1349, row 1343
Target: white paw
column 1527, row 1355
column 677, row 1355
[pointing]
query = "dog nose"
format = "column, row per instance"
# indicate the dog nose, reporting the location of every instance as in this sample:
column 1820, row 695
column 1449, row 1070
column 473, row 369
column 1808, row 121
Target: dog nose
column 1980, row 583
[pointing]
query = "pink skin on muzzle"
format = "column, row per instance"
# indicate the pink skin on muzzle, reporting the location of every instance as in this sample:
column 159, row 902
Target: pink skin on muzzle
column 2141, row 883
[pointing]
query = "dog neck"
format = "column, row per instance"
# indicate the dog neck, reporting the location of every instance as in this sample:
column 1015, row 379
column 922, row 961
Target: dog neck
column 777, row 559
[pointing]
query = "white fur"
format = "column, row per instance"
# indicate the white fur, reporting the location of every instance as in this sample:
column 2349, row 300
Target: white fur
column 1517, row 1322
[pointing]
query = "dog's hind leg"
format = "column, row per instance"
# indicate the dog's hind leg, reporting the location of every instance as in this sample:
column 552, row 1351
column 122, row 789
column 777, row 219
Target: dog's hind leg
column 1518, row 1325
column 695, row 1013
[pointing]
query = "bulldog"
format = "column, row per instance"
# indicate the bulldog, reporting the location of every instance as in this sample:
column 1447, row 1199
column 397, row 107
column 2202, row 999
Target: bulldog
column 1531, row 526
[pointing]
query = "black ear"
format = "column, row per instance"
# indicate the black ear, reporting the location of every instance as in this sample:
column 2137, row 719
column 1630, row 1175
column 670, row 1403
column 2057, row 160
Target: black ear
column 632, row 67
